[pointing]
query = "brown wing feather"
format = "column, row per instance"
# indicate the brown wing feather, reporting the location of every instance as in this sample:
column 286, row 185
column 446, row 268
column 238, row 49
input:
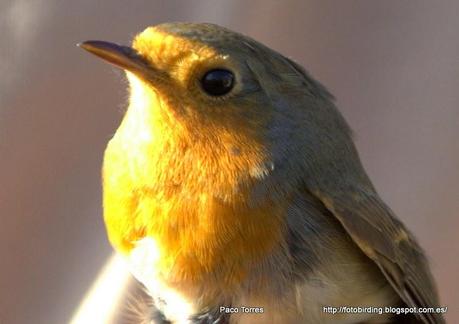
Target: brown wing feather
column 384, row 239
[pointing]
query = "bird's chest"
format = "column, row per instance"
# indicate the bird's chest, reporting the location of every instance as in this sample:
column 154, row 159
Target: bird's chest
column 199, row 251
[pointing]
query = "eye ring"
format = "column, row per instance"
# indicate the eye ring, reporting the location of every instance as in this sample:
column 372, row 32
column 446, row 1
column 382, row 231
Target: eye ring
column 217, row 82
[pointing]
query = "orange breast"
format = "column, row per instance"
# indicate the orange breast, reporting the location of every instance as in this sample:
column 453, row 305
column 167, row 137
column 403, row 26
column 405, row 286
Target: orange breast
column 200, row 231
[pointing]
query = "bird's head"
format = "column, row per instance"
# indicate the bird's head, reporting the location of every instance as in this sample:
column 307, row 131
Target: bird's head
column 192, row 76
column 223, row 102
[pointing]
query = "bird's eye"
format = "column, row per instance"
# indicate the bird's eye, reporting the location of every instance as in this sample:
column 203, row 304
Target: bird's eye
column 217, row 82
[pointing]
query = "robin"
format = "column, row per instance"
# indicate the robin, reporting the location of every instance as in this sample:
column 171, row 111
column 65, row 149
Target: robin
column 235, row 192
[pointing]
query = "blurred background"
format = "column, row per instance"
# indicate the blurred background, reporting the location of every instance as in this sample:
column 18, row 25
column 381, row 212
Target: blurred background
column 393, row 66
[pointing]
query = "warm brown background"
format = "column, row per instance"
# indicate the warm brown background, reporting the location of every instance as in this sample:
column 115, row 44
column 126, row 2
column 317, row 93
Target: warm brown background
column 393, row 65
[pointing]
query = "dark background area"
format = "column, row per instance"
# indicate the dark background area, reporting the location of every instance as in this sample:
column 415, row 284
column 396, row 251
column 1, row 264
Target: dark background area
column 393, row 66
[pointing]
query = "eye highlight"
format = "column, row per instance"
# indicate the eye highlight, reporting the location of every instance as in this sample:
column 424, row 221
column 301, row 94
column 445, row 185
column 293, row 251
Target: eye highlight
column 217, row 82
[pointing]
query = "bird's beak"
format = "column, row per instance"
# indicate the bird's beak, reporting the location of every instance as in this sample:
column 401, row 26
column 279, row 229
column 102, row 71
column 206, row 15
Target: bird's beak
column 124, row 57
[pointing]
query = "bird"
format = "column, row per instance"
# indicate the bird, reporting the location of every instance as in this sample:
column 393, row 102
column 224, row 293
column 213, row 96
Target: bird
column 235, row 193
